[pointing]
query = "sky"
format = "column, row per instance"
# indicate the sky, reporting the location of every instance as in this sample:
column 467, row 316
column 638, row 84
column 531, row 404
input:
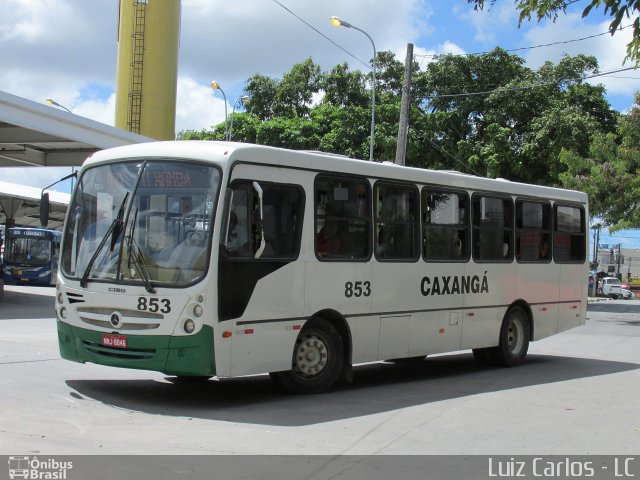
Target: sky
column 66, row 49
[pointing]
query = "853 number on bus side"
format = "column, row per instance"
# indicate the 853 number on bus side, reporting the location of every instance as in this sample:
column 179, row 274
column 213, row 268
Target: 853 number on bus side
column 153, row 304
column 357, row 289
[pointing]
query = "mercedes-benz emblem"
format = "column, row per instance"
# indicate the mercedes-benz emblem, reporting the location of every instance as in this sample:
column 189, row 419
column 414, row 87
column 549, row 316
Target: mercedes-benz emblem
column 115, row 319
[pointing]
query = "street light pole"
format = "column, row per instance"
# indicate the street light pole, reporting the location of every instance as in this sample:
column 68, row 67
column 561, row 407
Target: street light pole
column 53, row 102
column 245, row 100
column 341, row 23
column 216, row 86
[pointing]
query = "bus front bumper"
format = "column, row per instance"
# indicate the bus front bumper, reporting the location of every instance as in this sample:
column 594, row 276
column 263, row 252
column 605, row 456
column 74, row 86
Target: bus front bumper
column 191, row 355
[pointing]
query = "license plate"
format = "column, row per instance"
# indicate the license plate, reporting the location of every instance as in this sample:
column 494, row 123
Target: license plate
column 114, row 341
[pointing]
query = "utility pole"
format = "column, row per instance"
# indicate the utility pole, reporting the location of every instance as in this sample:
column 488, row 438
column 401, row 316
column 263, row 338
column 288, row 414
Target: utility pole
column 619, row 258
column 596, row 242
column 403, row 123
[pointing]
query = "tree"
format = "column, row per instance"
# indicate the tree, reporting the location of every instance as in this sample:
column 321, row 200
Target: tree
column 608, row 172
column 618, row 10
column 502, row 119
column 485, row 114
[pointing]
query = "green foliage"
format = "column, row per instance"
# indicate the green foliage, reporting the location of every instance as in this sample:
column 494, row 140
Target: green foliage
column 486, row 114
column 609, row 173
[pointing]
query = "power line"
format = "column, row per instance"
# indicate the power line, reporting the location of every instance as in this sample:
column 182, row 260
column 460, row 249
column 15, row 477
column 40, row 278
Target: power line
column 438, row 147
column 526, row 87
column 560, row 42
column 322, row 34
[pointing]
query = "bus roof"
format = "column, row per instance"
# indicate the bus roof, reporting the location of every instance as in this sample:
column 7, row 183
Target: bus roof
column 227, row 153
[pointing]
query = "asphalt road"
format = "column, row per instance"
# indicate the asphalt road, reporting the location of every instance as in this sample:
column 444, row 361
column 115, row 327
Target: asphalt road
column 578, row 393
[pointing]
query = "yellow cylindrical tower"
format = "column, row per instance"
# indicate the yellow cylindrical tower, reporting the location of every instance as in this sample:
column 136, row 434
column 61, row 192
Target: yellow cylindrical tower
column 146, row 83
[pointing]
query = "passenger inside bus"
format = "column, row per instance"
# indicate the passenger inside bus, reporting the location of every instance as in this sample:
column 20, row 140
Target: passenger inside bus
column 327, row 239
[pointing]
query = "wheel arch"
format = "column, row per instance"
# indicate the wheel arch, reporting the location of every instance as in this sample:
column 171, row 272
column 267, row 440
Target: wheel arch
column 339, row 322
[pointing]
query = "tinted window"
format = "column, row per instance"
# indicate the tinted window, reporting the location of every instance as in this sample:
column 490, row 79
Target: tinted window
column 280, row 221
column 396, row 222
column 445, row 229
column 492, row 228
column 533, row 231
column 569, row 235
column 343, row 218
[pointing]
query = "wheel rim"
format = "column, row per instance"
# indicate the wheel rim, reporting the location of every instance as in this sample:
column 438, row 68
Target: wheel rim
column 311, row 356
column 515, row 335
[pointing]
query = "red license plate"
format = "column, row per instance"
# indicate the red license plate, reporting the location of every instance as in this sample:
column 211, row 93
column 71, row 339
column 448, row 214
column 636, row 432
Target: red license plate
column 114, row 341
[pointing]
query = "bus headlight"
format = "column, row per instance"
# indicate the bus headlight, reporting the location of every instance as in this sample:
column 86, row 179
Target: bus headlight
column 60, row 298
column 198, row 311
column 189, row 326
column 63, row 313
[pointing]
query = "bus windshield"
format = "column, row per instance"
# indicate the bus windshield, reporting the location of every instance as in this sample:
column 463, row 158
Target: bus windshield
column 28, row 250
column 141, row 222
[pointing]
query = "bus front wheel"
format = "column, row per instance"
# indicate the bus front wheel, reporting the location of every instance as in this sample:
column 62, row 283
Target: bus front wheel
column 514, row 339
column 317, row 359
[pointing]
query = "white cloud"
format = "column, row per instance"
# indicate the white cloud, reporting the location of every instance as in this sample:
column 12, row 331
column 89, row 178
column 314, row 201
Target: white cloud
column 609, row 50
column 99, row 110
column 197, row 107
column 57, row 48
column 490, row 22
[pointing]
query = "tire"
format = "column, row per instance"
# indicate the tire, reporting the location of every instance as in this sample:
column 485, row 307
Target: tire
column 316, row 362
column 514, row 339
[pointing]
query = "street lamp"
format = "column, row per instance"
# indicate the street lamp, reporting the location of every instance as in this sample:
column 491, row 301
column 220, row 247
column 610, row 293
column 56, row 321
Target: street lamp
column 244, row 99
column 341, row 23
column 216, row 86
column 53, row 102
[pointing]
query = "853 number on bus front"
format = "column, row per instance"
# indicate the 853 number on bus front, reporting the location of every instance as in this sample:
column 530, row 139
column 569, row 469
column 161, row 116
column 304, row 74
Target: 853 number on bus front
column 357, row 289
column 153, row 305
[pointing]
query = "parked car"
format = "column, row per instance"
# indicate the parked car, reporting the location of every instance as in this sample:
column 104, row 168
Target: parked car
column 610, row 287
column 628, row 294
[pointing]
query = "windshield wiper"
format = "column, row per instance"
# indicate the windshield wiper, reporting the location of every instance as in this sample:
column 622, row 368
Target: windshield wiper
column 136, row 254
column 112, row 233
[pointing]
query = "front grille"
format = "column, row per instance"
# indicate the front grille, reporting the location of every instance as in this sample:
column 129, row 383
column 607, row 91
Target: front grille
column 132, row 319
column 128, row 354
column 107, row 311
column 125, row 326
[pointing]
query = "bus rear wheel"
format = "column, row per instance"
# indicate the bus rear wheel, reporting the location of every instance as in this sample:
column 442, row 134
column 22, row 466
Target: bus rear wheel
column 514, row 339
column 317, row 359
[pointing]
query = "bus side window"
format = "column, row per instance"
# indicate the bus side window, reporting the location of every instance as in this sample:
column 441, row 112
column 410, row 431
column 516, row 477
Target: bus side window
column 281, row 222
column 396, row 222
column 492, row 228
column 445, row 228
column 533, row 231
column 569, row 235
column 343, row 218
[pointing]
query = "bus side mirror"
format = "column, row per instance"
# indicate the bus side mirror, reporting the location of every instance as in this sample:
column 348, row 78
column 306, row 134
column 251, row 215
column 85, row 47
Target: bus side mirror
column 44, row 210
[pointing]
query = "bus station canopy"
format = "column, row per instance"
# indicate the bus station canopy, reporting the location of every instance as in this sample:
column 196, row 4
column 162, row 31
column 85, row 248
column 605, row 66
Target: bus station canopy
column 22, row 204
column 34, row 134
column 38, row 135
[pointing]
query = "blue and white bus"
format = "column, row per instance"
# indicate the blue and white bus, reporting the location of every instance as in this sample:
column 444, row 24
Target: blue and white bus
column 31, row 256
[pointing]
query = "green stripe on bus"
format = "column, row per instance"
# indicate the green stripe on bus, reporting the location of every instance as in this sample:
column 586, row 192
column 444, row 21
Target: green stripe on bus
column 191, row 355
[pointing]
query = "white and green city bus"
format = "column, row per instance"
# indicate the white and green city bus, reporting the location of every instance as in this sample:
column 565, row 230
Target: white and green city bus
column 202, row 259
